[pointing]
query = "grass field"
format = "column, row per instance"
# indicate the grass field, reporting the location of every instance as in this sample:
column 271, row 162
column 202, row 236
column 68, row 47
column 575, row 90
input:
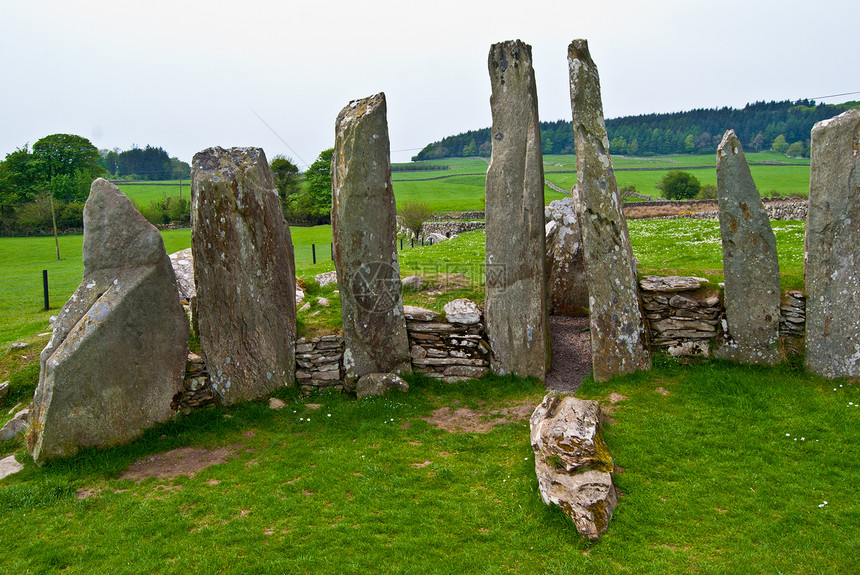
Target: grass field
column 461, row 186
column 722, row 468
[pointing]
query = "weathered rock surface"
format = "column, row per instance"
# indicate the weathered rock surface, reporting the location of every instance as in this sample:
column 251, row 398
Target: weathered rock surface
column 245, row 274
column 462, row 311
column 618, row 343
column 183, row 267
column 669, row 284
column 117, row 354
column 516, row 306
column 752, row 296
column 364, row 224
column 9, row 466
column 326, row 278
column 373, row 384
column 567, row 285
column 833, row 248
column 573, row 466
column 413, row 282
column 12, row 428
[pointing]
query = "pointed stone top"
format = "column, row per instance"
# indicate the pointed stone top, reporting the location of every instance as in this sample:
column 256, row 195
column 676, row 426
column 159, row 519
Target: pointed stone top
column 116, row 235
column 729, row 144
column 579, row 49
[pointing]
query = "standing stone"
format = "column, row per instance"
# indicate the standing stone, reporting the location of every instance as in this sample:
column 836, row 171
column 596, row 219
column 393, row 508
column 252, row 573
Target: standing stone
column 117, row 355
column 364, row 226
column 833, row 248
column 567, row 285
column 245, row 274
column 516, row 309
column 618, row 343
column 749, row 262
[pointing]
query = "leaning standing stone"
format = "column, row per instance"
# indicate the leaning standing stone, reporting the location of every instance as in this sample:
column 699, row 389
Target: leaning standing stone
column 516, row 309
column 618, row 344
column 749, row 262
column 363, row 218
column 117, row 355
column 245, row 274
column 833, row 248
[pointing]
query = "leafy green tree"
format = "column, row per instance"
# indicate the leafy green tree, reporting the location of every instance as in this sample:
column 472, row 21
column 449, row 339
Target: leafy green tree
column 21, row 178
column 633, row 147
column 796, row 150
column 67, row 154
column 318, row 178
column 677, row 185
column 470, row 149
column 618, row 145
column 689, row 144
column 779, row 144
column 287, row 181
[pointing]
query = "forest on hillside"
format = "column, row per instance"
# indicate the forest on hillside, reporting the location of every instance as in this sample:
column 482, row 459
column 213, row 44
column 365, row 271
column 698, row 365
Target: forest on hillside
column 781, row 126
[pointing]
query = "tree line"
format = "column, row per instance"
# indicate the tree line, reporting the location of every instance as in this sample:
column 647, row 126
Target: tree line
column 50, row 181
column 780, row 126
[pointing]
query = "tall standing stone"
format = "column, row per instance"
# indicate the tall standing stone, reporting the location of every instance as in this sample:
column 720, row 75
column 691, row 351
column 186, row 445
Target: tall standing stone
column 117, row 355
column 749, row 262
column 516, row 308
column 244, row 272
column 833, row 248
column 364, row 224
column 618, row 343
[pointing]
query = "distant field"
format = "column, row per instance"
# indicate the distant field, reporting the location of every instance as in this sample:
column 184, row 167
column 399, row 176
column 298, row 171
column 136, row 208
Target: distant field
column 144, row 193
column 460, row 187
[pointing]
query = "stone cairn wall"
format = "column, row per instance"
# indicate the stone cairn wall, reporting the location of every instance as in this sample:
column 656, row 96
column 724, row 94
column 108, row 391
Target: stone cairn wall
column 453, row 350
column 775, row 210
column 450, row 228
column 684, row 321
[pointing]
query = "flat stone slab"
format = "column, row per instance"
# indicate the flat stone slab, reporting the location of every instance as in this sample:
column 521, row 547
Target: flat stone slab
column 462, row 311
column 670, row 284
column 9, row 466
column 416, row 313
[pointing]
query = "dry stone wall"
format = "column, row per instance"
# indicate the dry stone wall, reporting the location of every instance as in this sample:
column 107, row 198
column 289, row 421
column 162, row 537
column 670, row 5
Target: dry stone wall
column 447, row 350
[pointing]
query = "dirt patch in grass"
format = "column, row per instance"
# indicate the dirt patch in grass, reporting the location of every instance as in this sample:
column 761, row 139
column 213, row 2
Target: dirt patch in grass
column 465, row 420
column 183, row 461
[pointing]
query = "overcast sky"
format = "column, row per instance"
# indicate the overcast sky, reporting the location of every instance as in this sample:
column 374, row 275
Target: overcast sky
column 187, row 75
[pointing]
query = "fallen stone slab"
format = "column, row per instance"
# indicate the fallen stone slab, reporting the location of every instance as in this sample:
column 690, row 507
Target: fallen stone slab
column 9, row 466
column 572, row 463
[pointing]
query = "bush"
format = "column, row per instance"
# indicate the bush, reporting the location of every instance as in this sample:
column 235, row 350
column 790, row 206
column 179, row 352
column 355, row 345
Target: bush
column 412, row 215
column 677, row 185
column 708, row 192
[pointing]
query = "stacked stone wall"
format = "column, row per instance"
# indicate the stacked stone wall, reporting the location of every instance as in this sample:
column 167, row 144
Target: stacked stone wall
column 319, row 363
column 775, row 210
column 684, row 319
column 450, row 228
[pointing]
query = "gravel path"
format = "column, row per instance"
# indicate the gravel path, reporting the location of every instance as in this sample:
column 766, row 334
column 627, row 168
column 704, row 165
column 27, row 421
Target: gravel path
column 571, row 353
